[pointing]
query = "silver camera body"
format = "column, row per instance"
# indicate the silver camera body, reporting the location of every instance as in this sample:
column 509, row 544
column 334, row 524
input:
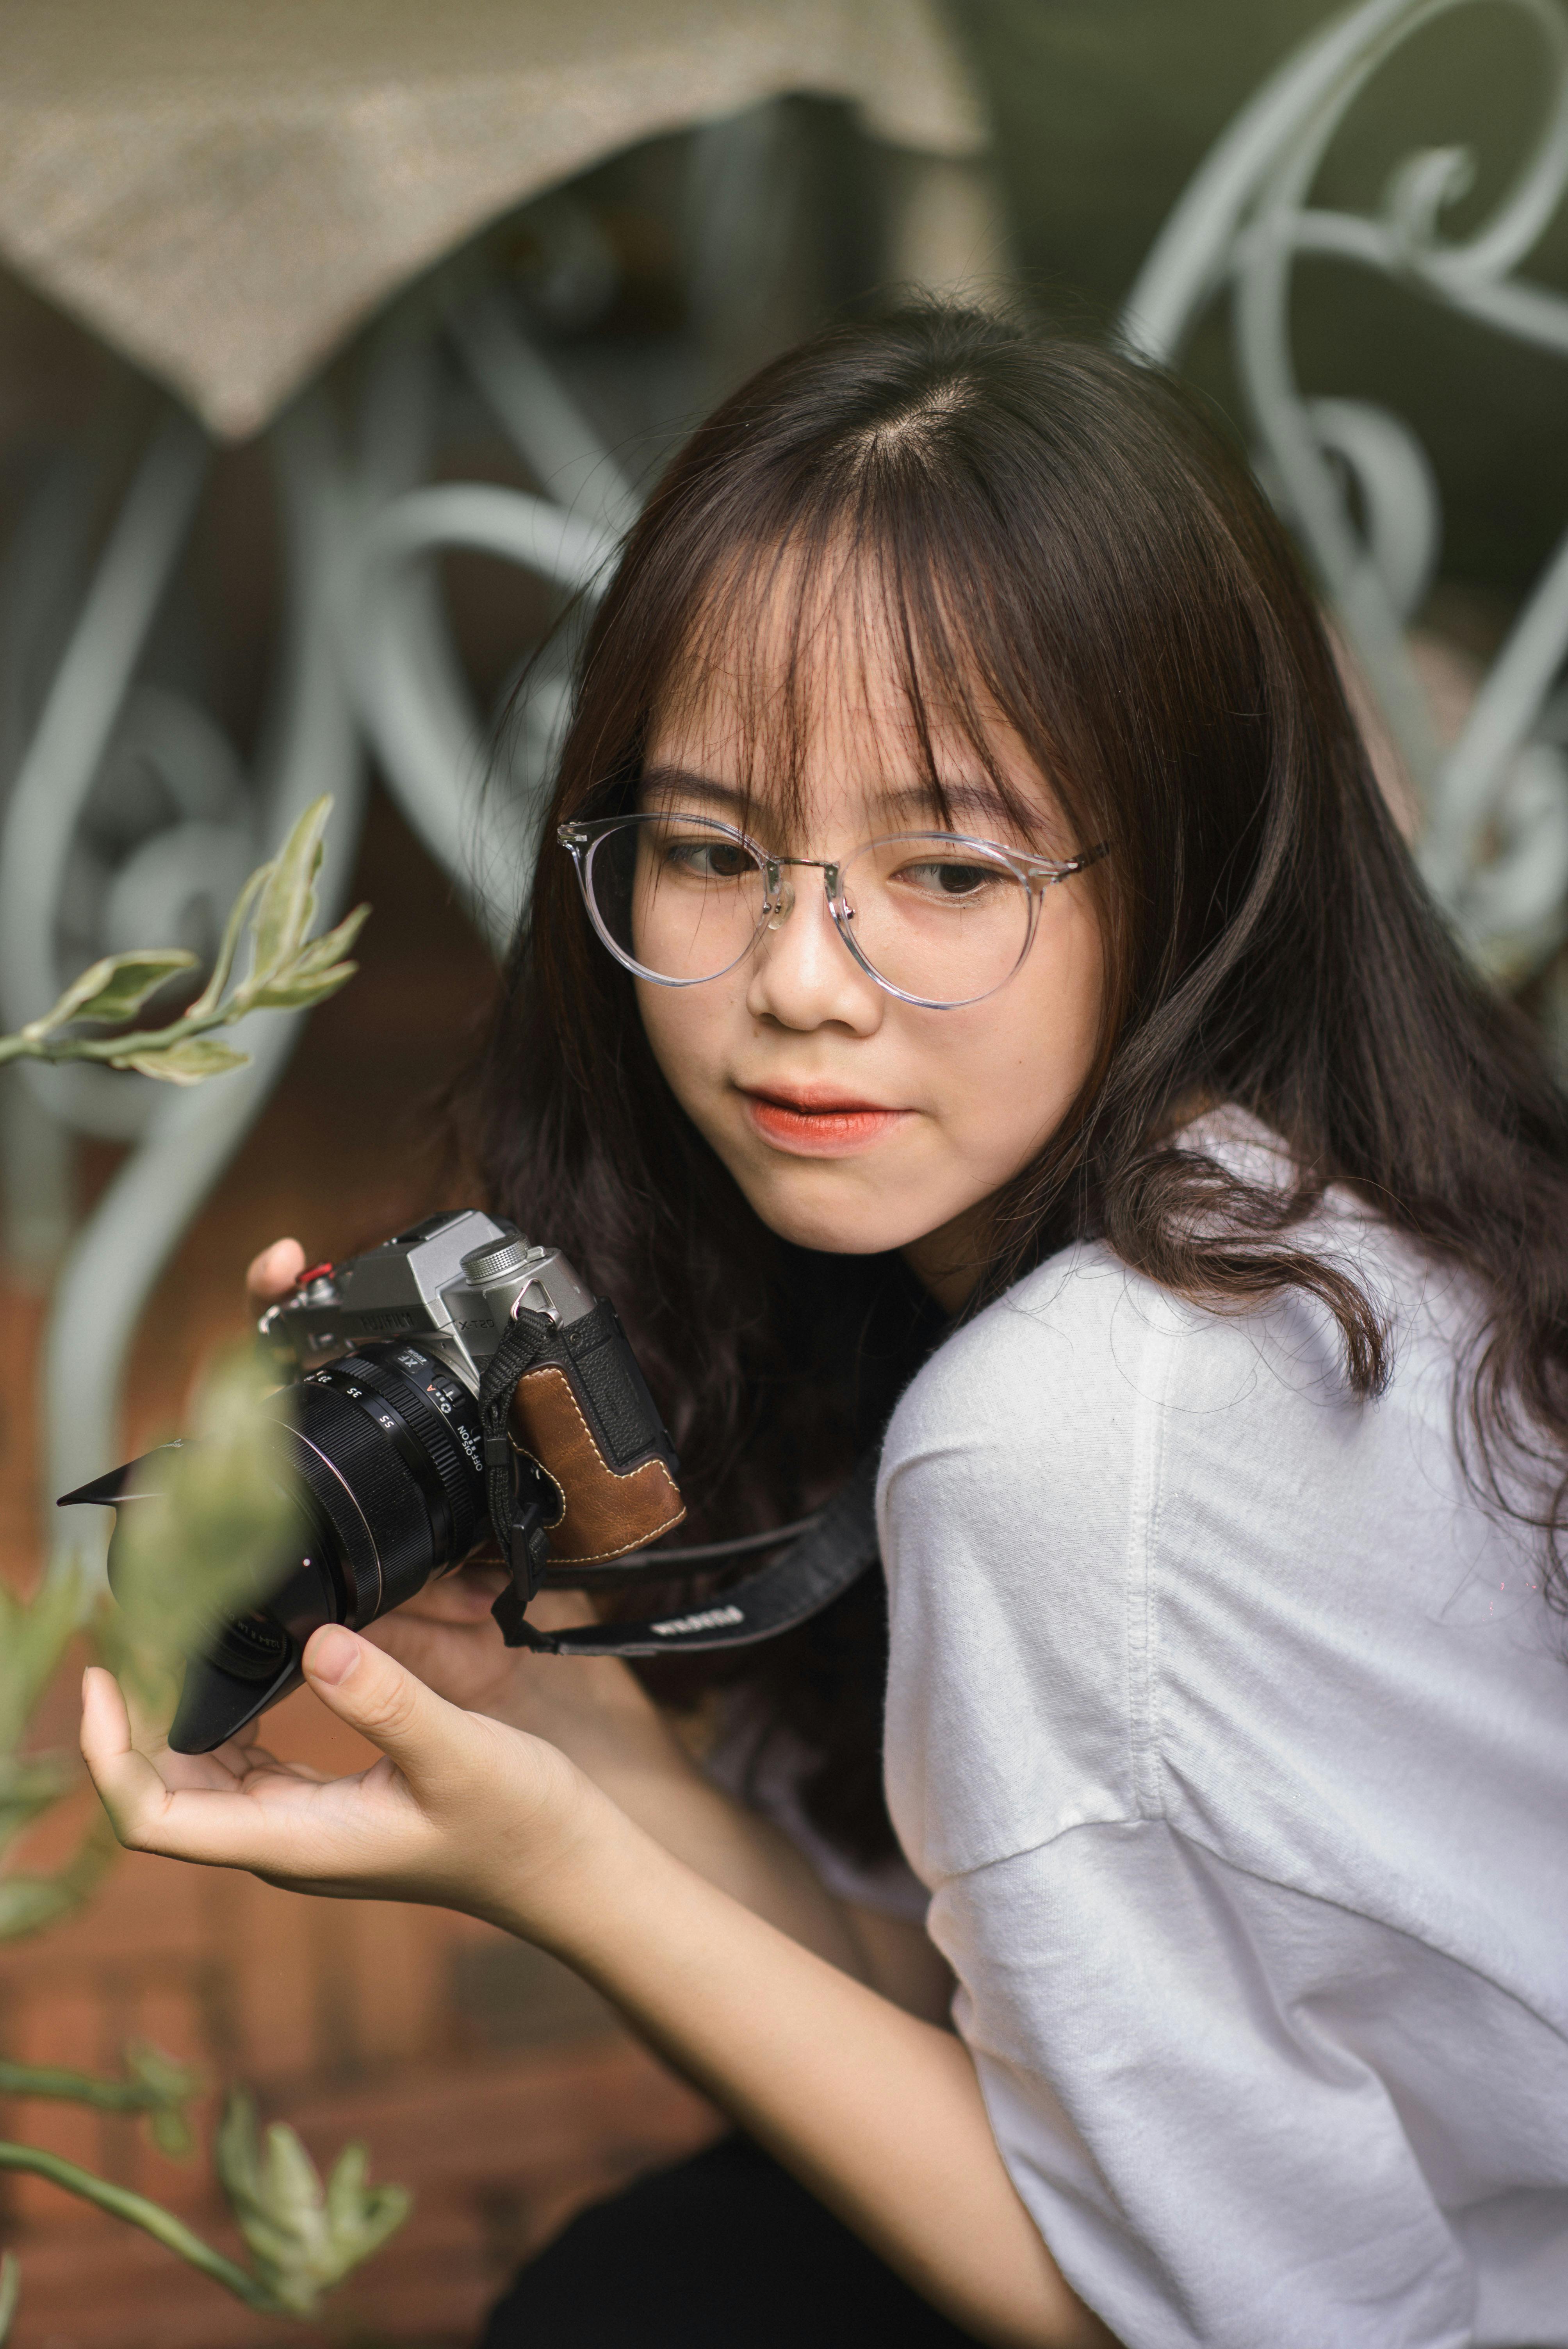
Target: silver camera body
column 451, row 1283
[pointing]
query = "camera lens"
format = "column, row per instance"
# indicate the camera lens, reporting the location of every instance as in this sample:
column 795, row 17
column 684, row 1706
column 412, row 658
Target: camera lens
column 389, row 1459
column 388, row 1444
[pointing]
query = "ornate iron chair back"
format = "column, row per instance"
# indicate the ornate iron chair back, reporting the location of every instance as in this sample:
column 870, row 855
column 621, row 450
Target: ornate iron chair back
column 1352, row 480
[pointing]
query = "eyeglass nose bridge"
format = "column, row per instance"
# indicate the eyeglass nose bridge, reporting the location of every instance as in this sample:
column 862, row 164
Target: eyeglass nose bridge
column 778, row 891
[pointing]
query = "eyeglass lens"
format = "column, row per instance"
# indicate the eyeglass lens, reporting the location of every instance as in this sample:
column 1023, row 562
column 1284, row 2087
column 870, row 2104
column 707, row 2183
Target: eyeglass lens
column 682, row 899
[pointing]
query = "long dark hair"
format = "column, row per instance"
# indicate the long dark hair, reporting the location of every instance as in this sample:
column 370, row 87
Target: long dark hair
column 1060, row 538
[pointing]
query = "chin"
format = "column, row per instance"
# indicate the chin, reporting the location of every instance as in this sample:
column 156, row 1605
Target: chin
column 835, row 1227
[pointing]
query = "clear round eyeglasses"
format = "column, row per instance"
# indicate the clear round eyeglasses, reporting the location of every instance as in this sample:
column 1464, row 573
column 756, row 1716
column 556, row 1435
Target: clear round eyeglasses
column 938, row 920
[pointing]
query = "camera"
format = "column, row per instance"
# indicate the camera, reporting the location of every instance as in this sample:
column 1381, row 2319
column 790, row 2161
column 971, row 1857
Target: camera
column 455, row 1384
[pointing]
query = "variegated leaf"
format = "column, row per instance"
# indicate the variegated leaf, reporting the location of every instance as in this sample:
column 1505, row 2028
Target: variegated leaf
column 113, row 990
column 188, row 1062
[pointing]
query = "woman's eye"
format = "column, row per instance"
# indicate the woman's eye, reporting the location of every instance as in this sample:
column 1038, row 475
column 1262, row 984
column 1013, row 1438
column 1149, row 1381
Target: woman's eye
column 943, row 877
column 707, row 860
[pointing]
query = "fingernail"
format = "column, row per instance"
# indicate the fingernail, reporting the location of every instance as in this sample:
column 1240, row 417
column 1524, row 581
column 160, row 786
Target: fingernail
column 333, row 1654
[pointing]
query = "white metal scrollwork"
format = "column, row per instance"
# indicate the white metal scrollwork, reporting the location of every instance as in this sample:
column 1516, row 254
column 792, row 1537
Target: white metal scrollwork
column 128, row 810
column 1354, row 481
column 413, row 700
column 93, row 711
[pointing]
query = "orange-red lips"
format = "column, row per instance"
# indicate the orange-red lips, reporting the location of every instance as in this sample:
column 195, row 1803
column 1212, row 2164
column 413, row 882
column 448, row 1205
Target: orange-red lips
column 816, row 1122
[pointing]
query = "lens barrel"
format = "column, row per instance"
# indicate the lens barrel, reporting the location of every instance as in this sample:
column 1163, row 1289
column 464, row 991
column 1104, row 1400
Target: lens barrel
column 389, row 1461
column 388, row 1446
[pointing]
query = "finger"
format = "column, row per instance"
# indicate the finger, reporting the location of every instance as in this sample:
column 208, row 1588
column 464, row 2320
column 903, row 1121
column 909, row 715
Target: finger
column 275, row 1272
column 380, row 1698
column 226, row 1829
column 131, row 1790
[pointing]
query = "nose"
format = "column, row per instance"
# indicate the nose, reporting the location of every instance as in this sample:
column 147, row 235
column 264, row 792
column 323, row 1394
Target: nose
column 802, row 976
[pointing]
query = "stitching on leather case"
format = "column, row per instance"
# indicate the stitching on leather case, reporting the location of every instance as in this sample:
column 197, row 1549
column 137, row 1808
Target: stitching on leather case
column 641, row 1541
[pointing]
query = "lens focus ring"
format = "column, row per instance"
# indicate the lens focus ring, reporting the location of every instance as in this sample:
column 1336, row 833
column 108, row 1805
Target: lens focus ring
column 462, row 1484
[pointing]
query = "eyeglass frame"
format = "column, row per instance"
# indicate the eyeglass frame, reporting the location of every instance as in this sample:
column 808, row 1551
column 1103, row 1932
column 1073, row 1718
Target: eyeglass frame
column 1037, row 874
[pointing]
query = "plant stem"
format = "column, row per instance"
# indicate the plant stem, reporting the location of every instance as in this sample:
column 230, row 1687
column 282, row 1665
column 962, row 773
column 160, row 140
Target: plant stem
column 56, row 1049
column 160, row 2223
column 78, row 2088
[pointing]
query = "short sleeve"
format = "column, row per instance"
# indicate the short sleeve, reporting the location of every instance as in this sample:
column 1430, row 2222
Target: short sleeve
column 1169, row 2055
column 1013, row 1511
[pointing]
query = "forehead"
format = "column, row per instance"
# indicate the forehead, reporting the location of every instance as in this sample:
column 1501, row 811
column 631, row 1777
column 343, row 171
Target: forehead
column 801, row 678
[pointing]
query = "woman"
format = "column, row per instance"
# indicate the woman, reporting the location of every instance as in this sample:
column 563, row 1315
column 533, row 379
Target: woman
column 974, row 909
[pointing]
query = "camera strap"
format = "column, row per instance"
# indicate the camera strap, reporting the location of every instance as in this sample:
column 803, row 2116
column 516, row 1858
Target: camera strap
column 826, row 1554
column 836, row 1549
column 517, row 1515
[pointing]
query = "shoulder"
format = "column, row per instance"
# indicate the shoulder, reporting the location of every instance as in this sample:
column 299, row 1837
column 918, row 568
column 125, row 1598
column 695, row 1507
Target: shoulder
column 1085, row 1352
column 1074, row 1340
column 1015, row 1473
column 1107, row 1515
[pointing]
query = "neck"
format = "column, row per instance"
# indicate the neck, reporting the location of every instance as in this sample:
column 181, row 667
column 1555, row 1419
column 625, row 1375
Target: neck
column 947, row 1262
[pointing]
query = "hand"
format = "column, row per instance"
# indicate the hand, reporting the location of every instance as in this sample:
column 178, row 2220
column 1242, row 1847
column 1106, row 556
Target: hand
column 447, row 1635
column 459, row 1811
column 275, row 1272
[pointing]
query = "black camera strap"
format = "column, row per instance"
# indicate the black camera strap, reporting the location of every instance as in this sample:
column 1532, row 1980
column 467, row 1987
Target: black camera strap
column 517, row 1516
column 830, row 1551
column 836, row 1547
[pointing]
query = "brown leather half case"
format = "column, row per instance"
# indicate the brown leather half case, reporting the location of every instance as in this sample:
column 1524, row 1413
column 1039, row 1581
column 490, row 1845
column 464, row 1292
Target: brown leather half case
column 605, row 1512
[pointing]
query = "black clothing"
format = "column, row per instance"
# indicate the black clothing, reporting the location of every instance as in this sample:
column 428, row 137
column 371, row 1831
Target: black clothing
column 723, row 2252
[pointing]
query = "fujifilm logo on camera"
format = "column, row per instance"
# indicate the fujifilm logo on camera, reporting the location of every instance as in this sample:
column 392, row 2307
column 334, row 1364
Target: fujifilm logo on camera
column 709, row 1621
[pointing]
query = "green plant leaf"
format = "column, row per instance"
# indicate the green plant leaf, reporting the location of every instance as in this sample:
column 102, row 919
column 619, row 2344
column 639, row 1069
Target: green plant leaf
column 30, row 1787
column 154, row 2085
column 321, row 954
column 190, row 1061
column 114, row 988
column 294, row 992
column 287, row 904
column 160, row 2224
column 34, row 1635
column 303, row 2240
column 169, row 2086
column 10, row 2293
column 205, row 1546
column 211, row 995
column 29, row 1903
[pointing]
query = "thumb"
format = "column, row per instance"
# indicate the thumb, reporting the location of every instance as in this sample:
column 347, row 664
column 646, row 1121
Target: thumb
column 376, row 1695
column 275, row 1272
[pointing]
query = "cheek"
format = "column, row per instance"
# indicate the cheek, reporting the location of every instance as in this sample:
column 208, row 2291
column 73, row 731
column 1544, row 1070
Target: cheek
column 688, row 1028
column 1018, row 1061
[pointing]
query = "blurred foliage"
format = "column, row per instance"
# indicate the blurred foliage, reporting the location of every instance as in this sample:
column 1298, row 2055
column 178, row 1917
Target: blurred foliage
column 303, row 2241
column 195, row 1548
column 154, row 2085
column 287, row 971
column 303, row 2238
column 198, row 1549
column 33, row 1636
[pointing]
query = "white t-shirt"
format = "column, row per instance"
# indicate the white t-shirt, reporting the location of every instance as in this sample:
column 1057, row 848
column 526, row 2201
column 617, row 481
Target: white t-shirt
column 1230, row 1734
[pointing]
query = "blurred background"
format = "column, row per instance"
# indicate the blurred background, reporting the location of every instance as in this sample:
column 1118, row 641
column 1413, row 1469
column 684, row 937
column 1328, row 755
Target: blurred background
column 337, row 344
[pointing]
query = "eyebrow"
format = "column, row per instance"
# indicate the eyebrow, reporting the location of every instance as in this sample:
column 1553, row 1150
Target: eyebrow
column 668, row 780
column 971, row 799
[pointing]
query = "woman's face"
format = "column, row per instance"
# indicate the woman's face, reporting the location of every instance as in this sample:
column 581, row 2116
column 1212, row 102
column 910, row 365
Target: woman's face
column 855, row 1122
